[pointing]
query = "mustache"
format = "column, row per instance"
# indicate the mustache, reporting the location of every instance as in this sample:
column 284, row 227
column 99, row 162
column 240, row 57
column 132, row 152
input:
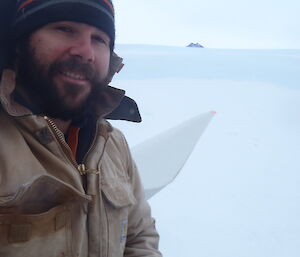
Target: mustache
column 73, row 64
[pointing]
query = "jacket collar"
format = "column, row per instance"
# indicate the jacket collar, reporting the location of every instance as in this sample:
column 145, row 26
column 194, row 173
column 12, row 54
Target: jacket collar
column 112, row 104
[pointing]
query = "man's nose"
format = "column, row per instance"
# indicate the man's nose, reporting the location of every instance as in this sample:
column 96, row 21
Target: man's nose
column 83, row 49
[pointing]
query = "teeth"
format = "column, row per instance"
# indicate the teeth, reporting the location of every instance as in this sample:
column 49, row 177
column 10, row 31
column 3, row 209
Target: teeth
column 74, row 75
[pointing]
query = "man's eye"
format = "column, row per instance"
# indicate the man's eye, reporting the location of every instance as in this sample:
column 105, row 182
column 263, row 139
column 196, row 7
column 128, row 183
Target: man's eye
column 99, row 39
column 65, row 29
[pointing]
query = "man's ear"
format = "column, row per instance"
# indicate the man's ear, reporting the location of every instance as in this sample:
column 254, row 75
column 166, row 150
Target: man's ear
column 17, row 49
column 12, row 56
column 7, row 57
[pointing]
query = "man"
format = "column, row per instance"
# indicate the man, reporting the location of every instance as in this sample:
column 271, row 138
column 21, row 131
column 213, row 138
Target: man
column 68, row 185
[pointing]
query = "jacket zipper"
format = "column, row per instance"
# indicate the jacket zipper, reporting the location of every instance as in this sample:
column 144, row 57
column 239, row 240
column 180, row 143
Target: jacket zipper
column 101, row 246
column 66, row 149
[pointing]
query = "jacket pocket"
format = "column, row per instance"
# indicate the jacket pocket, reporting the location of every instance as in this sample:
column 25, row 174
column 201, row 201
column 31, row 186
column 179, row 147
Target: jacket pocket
column 119, row 198
column 36, row 221
column 118, row 192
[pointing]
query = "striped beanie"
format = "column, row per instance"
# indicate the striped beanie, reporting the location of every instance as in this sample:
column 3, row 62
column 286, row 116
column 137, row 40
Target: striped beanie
column 33, row 14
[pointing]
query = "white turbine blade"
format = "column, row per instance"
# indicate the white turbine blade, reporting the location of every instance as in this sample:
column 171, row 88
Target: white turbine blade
column 160, row 159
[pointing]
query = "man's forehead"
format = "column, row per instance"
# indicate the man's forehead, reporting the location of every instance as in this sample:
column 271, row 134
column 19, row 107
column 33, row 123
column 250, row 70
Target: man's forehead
column 76, row 24
column 76, row 27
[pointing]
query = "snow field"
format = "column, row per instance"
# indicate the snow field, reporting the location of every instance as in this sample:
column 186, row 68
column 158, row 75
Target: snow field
column 238, row 194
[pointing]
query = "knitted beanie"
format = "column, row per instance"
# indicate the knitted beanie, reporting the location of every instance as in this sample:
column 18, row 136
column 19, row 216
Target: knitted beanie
column 33, row 14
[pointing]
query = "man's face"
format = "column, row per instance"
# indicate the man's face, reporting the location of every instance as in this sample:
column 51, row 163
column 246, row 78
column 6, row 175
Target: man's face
column 63, row 63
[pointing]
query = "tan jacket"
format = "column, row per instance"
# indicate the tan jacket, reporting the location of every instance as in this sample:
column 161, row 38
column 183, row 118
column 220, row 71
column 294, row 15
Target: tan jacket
column 45, row 210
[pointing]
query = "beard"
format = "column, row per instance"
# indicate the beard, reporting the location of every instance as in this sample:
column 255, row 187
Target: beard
column 37, row 82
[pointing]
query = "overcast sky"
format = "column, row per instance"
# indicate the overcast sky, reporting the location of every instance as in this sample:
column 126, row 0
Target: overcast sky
column 212, row 23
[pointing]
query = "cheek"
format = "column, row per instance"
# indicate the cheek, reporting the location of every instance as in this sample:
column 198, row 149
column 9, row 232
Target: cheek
column 45, row 50
column 102, row 64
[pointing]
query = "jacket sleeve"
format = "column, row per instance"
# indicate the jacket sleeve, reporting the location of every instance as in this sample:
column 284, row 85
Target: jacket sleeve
column 142, row 237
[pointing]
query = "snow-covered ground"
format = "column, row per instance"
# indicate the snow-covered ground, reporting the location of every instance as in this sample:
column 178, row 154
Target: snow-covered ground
column 239, row 193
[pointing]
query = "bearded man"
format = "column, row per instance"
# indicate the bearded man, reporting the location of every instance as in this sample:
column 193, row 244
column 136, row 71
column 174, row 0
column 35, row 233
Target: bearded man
column 68, row 184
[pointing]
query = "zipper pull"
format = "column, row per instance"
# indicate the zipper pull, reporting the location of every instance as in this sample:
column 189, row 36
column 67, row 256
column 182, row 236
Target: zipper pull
column 83, row 170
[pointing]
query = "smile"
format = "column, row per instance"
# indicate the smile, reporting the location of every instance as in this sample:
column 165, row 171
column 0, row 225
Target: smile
column 74, row 75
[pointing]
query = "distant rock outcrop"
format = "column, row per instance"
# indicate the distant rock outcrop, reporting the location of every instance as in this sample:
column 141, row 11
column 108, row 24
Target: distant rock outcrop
column 195, row 45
